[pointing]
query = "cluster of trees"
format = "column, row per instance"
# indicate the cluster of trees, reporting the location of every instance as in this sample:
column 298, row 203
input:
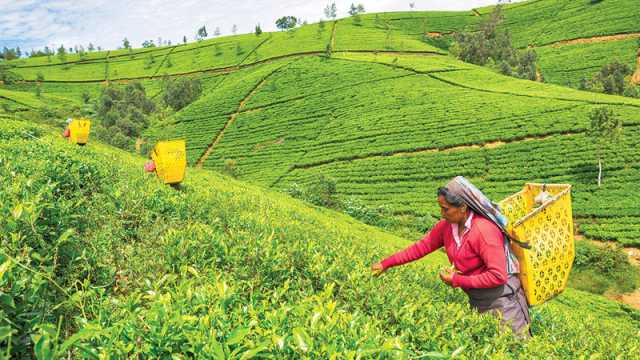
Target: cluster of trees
column 492, row 47
column 180, row 92
column 611, row 80
column 10, row 54
column 287, row 22
column 16, row 53
column 125, row 112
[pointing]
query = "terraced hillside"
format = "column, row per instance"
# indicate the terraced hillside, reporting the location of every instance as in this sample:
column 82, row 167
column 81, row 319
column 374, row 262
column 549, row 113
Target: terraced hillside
column 394, row 128
column 101, row 260
column 573, row 39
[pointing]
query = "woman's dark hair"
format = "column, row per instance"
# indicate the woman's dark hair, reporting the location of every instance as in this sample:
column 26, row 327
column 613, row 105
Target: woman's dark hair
column 451, row 198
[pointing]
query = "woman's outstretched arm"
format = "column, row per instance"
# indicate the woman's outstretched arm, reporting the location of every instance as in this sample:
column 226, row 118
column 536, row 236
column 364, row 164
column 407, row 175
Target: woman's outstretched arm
column 432, row 241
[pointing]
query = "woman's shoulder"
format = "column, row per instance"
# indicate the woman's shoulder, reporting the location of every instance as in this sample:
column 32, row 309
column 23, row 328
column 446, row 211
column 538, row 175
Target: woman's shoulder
column 486, row 228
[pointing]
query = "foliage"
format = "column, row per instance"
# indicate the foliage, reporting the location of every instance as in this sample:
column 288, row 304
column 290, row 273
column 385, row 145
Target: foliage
column 489, row 45
column 123, row 114
column 612, row 77
column 230, row 168
column 7, row 76
column 258, row 30
column 180, row 92
column 320, row 191
column 601, row 269
column 201, row 34
column 286, row 22
column 330, row 11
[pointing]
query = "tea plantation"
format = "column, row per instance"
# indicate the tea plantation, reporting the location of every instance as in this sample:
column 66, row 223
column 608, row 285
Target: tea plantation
column 101, row 260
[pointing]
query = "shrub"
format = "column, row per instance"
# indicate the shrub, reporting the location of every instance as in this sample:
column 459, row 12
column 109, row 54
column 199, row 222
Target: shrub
column 123, row 113
column 601, row 269
column 180, row 92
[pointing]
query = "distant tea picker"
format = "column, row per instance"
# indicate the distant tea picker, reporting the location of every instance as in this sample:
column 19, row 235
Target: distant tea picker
column 168, row 161
column 477, row 240
column 77, row 130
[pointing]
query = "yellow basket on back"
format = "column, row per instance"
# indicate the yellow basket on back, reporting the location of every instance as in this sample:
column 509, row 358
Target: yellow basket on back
column 79, row 131
column 170, row 158
column 545, row 267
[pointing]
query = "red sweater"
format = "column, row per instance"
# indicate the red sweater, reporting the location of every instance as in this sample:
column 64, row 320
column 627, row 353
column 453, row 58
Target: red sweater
column 480, row 260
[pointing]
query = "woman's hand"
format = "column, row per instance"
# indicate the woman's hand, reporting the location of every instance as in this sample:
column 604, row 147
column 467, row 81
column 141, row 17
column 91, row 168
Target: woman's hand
column 447, row 276
column 378, row 269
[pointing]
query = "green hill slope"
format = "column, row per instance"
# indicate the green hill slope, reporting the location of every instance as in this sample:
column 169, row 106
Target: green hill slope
column 125, row 267
column 392, row 128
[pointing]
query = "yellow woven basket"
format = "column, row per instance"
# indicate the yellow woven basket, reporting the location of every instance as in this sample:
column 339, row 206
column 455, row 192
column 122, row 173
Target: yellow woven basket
column 545, row 267
column 170, row 158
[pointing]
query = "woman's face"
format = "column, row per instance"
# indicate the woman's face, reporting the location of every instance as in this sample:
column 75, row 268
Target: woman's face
column 454, row 215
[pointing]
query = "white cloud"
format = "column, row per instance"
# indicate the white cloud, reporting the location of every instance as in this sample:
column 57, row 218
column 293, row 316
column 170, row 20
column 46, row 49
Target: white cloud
column 36, row 23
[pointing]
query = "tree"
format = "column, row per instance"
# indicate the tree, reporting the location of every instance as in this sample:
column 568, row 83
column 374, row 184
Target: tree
column 217, row 31
column 605, row 130
column 149, row 61
column 184, row 39
column 202, row 33
column 126, row 44
column 62, row 53
column 18, row 52
column 234, row 29
column 123, row 113
column 148, row 44
column 286, row 22
column 258, row 30
column 91, row 47
column 611, row 77
column 180, row 92
column 353, row 10
column 412, row 5
column 330, row 11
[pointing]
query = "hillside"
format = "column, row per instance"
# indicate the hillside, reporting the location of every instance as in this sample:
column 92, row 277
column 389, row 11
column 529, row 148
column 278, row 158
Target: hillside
column 392, row 129
column 124, row 266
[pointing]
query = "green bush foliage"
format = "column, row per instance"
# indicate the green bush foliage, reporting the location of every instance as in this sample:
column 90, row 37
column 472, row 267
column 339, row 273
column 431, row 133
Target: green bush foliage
column 601, row 269
column 123, row 114
column 180, row 92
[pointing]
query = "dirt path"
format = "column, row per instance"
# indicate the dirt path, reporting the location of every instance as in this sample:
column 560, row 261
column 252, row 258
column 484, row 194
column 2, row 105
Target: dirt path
column 232, row 119
column 593, row 39
column 232, row 68
column 426, row 149
column 475, row 12
column 332, row 42
column 631, row 299
column 636, row 76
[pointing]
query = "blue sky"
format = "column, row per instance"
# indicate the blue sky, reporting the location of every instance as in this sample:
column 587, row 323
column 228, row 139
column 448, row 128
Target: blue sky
column 36, row 23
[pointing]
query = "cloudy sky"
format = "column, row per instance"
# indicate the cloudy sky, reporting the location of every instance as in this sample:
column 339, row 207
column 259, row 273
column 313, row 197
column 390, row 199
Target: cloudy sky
column 32, row 24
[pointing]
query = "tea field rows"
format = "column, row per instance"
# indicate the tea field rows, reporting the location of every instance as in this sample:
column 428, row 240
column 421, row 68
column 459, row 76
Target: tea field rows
column 302, row 122
column 226, row 269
